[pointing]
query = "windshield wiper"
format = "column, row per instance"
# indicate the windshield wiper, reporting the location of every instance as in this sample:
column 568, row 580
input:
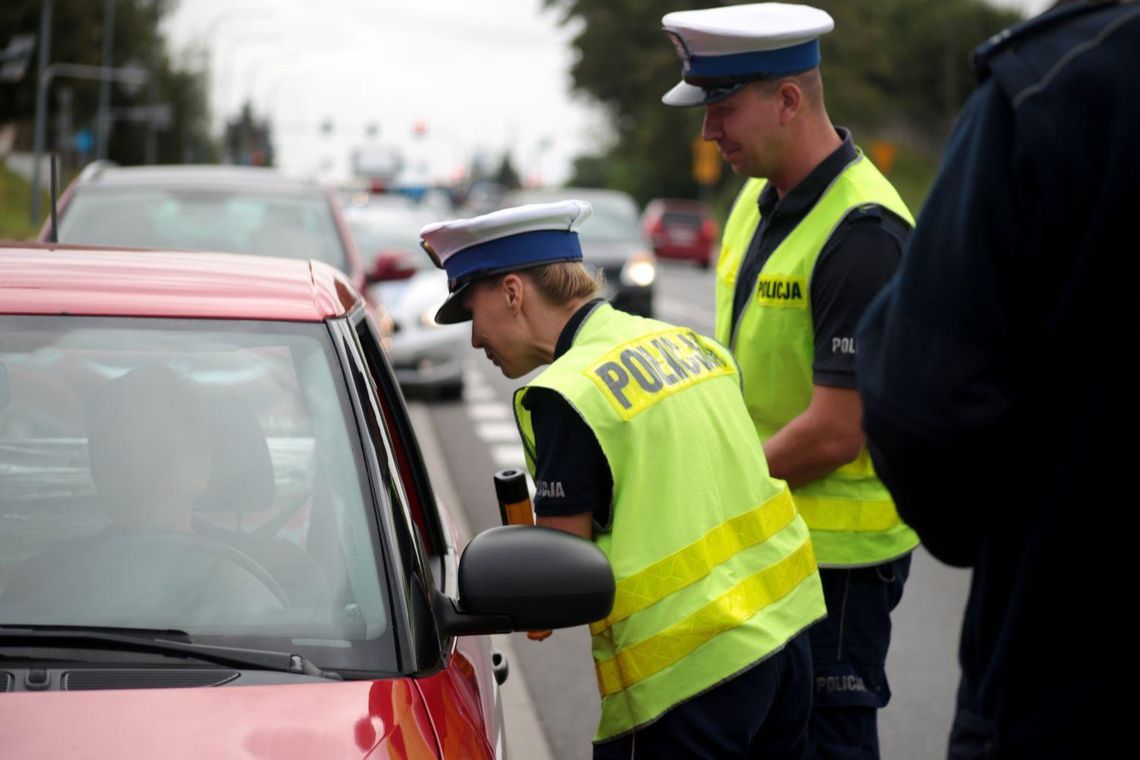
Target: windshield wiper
column 159, row 641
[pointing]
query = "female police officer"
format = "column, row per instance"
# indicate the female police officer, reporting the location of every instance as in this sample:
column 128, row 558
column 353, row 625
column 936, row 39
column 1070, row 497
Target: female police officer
column 637, row 437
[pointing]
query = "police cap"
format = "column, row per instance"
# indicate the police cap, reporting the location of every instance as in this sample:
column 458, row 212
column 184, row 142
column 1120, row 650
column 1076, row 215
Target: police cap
column 722, row 49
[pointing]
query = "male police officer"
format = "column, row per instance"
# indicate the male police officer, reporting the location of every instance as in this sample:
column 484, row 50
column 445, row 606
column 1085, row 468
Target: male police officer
column 638, row 438
column 998, row 374
column 814, row 234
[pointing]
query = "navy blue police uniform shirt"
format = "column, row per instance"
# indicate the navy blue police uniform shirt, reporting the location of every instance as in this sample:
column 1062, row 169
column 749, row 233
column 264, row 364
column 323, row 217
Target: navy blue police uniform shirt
column 855, row 263
column 572, row 475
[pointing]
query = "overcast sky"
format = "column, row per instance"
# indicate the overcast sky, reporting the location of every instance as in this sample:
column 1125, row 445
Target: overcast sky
column 483, row 76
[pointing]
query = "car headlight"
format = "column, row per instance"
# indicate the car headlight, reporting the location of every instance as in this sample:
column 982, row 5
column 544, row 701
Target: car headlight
column 427, row 319
column 639, row 270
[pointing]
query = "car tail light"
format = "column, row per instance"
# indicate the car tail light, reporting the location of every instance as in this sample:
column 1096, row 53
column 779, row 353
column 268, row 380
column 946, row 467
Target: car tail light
column 655, row 227
column 392, row 265
column 709, row 229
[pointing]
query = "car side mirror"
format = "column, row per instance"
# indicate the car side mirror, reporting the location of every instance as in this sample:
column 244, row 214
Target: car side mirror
column 391, row 265
column 525, row 578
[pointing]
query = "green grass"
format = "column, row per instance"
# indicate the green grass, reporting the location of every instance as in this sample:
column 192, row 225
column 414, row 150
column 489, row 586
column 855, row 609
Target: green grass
column 15, row 204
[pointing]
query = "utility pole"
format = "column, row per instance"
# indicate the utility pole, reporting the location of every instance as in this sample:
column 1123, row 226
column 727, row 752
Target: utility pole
column 63, row 130
column 41, row 107
column 152, row 90
column 130, row 76
column 104, row 123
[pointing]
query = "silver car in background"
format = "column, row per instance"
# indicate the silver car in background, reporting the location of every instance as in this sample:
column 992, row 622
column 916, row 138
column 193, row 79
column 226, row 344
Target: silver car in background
column 612, row 241
column 232, row 209
column 426, row 356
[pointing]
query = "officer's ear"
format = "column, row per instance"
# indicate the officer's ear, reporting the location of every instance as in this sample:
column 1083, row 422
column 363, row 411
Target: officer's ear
column 513, row 292
column 800, row 93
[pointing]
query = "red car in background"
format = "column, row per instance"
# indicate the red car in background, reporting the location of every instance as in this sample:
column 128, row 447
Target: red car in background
column 681, row 229
column 219, row 536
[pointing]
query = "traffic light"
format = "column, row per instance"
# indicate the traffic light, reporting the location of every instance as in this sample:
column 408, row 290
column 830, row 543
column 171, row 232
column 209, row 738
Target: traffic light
column 707, row 164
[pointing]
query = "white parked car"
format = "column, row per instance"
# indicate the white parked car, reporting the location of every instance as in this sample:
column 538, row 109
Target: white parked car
column 425, row 356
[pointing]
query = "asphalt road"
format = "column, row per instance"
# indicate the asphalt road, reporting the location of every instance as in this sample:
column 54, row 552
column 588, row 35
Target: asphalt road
column 477, row 436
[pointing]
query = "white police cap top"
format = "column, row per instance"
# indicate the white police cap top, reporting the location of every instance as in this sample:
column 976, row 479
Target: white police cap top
column 504, row 240
column 722, row 49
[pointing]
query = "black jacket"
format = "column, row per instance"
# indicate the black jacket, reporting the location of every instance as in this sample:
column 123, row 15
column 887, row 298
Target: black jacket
column 996, row 374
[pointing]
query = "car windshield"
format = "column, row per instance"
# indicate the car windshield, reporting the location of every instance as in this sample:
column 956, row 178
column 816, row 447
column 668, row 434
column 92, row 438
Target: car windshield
column 290, row 226
column 390, row 228
column 195, row 475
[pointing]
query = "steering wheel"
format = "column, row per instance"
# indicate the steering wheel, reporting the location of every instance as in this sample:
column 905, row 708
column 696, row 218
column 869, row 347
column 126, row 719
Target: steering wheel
column 159, row 568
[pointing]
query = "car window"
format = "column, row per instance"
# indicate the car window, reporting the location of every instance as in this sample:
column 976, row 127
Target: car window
column 405, row 449
column 196, row 475
column 294, row 227
column 682, row 219
column 390, row 229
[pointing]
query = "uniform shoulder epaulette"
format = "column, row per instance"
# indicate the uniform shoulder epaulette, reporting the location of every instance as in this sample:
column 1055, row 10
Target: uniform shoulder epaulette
column 1007, row 38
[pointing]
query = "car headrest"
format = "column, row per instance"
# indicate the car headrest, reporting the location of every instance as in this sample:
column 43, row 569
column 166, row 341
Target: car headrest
column 241, row 469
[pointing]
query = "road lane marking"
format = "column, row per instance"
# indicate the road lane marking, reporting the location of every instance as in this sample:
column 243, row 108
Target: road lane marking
column 506, row 455
column 495, row 410
column 478, row 393
column 494, row 432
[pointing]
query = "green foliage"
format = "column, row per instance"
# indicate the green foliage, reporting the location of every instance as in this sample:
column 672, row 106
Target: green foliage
column 506, row 176
column 77, row 37
column 912, row 174
column 15, row 199
column 248, row 140
column 898, row 68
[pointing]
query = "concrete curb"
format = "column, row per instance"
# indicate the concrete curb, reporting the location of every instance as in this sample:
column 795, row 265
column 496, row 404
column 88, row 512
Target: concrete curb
column 523, row 730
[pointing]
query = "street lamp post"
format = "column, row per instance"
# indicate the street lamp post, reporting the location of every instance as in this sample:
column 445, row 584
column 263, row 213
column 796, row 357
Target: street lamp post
column 129, row 75
column 103, row 124
column 41, row 106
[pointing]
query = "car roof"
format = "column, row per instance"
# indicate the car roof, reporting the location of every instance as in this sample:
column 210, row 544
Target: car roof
column 66, row 279
column 233, row 179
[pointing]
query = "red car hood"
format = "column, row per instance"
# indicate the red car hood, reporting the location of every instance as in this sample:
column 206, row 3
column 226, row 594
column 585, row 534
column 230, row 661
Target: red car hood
column 374, row 719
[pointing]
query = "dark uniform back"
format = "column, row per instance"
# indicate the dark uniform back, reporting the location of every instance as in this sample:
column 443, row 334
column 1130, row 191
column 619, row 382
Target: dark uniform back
column 996, row 373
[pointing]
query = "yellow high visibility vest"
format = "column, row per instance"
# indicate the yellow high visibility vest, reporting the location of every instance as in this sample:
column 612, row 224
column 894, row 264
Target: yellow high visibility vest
column 714, row 567
column 852, row 517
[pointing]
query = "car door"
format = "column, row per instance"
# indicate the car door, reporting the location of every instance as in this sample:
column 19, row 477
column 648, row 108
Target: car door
column 464, row 698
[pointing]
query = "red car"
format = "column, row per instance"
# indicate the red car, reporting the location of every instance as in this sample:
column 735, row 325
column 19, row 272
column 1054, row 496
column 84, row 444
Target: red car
column 681, row 229
column 219, row 538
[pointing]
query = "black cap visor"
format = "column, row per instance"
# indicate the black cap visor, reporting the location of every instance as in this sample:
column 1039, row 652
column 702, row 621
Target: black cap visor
column 453, row 312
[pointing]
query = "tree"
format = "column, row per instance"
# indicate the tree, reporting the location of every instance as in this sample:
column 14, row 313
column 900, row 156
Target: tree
column 506, row 176
column 77, row 35
column 897, row 66
column 248, row 140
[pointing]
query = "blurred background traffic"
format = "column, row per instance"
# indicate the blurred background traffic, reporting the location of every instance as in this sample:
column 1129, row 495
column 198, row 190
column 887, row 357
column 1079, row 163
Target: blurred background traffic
column 469, row 98
column 366, row 120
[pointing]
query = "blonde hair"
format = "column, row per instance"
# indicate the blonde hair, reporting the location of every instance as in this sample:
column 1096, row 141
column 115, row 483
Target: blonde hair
column 565, row 281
